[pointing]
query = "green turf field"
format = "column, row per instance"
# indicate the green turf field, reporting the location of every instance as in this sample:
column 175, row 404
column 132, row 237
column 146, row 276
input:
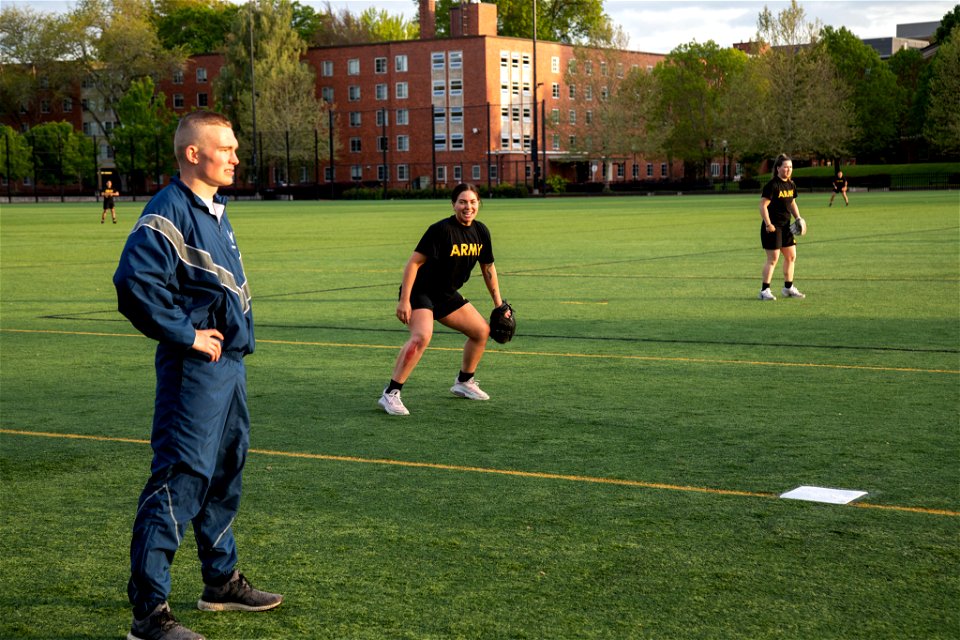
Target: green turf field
column 621, row 483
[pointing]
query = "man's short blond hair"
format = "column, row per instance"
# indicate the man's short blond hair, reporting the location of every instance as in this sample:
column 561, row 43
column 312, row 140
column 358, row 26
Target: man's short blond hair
column 188, row 130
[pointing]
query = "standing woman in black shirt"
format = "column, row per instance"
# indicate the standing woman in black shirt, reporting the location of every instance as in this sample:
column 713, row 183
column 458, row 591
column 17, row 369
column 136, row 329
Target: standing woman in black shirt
column 439, row 266
column 777, row 203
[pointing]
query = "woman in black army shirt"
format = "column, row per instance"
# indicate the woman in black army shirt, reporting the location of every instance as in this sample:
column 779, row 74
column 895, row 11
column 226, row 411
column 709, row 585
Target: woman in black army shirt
column 439, row 266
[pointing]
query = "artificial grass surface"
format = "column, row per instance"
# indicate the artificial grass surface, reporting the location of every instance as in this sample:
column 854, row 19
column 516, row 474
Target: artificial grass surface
column 642, row 355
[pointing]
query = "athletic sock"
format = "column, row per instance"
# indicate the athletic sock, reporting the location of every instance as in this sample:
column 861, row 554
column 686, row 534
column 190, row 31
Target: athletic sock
column 394, row 385
column 463, row 377
column 787, row 285
column 765, row 286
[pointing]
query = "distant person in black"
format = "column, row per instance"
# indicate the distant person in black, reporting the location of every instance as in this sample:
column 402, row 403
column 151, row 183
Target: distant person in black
column 439, row 266
column 108, row 203
column 777, row 203
column 839, row 186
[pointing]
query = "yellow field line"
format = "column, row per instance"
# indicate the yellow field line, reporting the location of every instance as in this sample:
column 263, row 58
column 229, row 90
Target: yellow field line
column 552, row 354
column 501, row 472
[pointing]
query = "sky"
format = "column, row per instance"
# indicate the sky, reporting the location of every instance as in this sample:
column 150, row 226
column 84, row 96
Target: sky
column 658, row 26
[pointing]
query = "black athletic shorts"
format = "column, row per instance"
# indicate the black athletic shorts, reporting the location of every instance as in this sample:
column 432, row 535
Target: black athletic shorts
column 781, row 237
column 108, row 203
column 443, row 303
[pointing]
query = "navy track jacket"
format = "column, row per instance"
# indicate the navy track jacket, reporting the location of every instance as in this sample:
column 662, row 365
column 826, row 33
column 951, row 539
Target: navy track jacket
column 180, row 271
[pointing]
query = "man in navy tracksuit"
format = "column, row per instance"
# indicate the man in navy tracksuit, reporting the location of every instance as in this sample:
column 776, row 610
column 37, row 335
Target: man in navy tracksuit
column 180, row 281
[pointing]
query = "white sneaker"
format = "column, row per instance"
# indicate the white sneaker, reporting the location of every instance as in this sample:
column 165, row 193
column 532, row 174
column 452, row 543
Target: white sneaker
column 766, row 294
column 392, row 403
column 469, row 389
column 792, row 292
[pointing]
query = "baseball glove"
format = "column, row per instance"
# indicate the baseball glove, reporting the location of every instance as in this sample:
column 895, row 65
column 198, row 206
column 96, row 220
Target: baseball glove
column 799, row 227
column 502, row 326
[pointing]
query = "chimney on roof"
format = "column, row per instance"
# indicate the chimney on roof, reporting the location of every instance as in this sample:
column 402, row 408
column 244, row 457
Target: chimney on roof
column 428, row 19
column 473, row 19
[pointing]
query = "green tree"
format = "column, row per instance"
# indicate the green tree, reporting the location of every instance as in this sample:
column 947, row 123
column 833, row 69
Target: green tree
column 14, row 154
column 62, row 155
column 384, row 27
column 913, row 76
column 115, row 42
column 144, row 139
column 942, row 127
column 332, row 28
column 874, row 92
column 947, row 23
column 791, row 99
column 693, row 81
column 569, row 21
column 288, row 113
column 193, row 26
column 31, row 67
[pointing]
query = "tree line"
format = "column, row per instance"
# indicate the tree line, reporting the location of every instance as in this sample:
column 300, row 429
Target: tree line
column 806, row 89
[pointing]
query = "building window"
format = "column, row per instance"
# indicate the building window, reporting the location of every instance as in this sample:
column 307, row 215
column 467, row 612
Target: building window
column 555, row 116
column 381, row 91
column 436, row 60
column 86, row 128
column 555, row 90
column 505, row 113
column 439, row 118
column 382, row 143
column 475, row 172
column 556, row 142
column 403, row 172
column 44, row 106
column 403, row 117
column 515, row 112
column 400, row 64
column 457, row 173
column 456, row 87
column 604, row 94
column 303, row 174
column 619, row 69
column 353, row 67
column 381, row 173
column 589, row 116
column 714, row 169
column 328, row 174
column 379, row 65
column 201, row 74
column 440, row 142
column 635, row 172
column 620, row 170
column 178, row 77
column 572, row 142
column 202, row 100
column 526, row 114
column 353, row 93
column 438, row 88
column 456, row 115
column 455, row 59
column 402, row 91
column 572, row 92
column 67, row 105
column 456, row 142
column 355, row 146
column 403, row 143
column 355, row 118
column 572, row 66
column 663, row 169
column 505, row 142
column 327, row 94
column 649, row 169
column 526, row 60
column 492, row 171
column 326, row 68
column 588, row 93
column 588, row 67
column 555, row 64
column 356, row 172
column 382, row 118
column 572, row 117
column 603, row 68
column 441, row 174
column 178, row 101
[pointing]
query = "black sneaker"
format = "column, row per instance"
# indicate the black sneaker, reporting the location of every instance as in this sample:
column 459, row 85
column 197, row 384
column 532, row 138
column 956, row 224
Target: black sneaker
column 237, row 595
column 161, row 625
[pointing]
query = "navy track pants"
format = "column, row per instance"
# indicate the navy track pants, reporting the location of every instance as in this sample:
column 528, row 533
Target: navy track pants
column 201, row 433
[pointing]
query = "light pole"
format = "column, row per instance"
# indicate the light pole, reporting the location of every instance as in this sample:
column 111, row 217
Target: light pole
column 533, row 146
column 253, row 107
column 724, row 165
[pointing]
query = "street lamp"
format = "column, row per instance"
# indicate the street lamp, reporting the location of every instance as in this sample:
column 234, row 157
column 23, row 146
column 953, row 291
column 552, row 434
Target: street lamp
column 724, row 165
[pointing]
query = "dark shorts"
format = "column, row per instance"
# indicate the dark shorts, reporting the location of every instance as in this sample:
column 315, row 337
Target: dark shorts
column 835, row 190
column 108, row 203
column 780, row 238
column 442, row 303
